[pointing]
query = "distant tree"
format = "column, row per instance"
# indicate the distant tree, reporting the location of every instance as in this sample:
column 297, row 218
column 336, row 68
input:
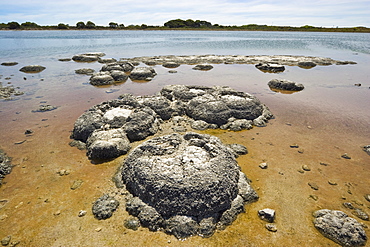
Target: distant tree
column 90, row 24
column 63, row 26
column 144, row 26
column 121, row 26
column 204, row 24
column 13, row 25
column 113, row 25
column 28, row 25
column 175, row 23
column 80, row 24
column 191, row 23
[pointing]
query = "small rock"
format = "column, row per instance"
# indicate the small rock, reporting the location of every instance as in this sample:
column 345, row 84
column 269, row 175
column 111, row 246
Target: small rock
column 294, row 146
column 271, row 227
column 358, row 84
column 9, row 63
column 172, row 71
column 314, row 197
column 82, row 213
column 361, row 214
column 366, row 149
column 132, row 223
column 63, row 172
column 348, row 205
column 332, row 182
column 367, row 197
column 306, row 168
column 85, row 71
column 28, row 132
column 76, row 184
column 98, row 229
column 5, row 241
column 57, row 213
column 14, row 243
column 32, row 69
column 238, row 148
column 313, row 186
column 324, row 164
column 346, row 156
column 104, row 207
column 263, row 165
column 273, row 68
column 44, row 108
column 171, row 65
column 267, row 214
column 203, row 67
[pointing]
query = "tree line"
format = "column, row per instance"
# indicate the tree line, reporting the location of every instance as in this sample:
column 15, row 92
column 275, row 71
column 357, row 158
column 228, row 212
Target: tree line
column 179, row 24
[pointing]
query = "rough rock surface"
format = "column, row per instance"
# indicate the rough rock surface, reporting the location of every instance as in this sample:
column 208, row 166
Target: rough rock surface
column 140, row 117
column 171, row 65
column 104, row 207
column 267, row 67
column 32, row 69
column 88, row 57
column 282, row 84
column 340, row 228
column 186, row 184
column 5, row 165
column 101, row 78
column 267, row 214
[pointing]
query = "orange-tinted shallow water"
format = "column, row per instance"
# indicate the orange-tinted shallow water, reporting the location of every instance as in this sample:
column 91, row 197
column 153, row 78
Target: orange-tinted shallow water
column 328, row 118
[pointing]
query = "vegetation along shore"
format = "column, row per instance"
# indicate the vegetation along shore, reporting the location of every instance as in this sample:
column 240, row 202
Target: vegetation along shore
column 177, row 24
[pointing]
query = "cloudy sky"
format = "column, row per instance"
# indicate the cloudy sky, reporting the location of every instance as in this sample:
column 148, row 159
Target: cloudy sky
column 325, row 13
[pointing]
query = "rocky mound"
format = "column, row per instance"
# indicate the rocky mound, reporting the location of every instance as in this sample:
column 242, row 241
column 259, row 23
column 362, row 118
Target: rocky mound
column 107, row 128
column 5, row 165
column 282, row 84
column 340, row 228
column 186, row 184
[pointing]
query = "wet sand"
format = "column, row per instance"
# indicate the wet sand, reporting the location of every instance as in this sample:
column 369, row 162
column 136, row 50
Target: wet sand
column 327, row 119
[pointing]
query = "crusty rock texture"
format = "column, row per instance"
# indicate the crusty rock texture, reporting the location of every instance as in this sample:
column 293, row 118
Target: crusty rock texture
column 185, row 184
column 108, row 127
column 337, row 226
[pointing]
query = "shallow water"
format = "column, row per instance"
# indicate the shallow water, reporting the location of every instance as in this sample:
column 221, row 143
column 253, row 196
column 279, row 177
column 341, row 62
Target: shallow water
column 328, row 118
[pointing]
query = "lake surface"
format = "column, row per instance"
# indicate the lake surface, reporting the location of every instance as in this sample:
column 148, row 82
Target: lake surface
column 328, row 118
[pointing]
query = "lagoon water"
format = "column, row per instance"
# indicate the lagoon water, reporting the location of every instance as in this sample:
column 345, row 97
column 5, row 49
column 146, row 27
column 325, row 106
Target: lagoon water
column 328, row 118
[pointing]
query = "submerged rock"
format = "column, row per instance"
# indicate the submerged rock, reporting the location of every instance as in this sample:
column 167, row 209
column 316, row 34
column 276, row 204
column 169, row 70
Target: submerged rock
column 340, row 228
column 9, row 63
column 44, row 108
column 101, row 78
column 203, row 67
column 307, row 65
column 179, row 181
column 282, row 84
column 273, row 68
column 32, row 69
column 85, row 71
column 5, row 165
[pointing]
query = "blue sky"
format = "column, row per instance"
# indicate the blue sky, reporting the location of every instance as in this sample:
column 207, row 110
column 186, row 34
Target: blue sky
column 328, row 13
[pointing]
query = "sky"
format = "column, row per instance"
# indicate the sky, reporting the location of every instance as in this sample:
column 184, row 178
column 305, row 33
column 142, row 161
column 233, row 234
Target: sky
column 320, row 13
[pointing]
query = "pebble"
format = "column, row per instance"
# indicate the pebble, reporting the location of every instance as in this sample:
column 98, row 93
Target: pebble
column 367, row 197
column 263, row 165
column 76, row 184
column 314, row 197
column 332, row 182
column 28, row 132
column 313, row 186
column 63, row 172
column 57, row 213
column 271, row 227
column 348, row 205
column 82, row 213
column 346, row 156
column 306, row 168
column 5, row 241
column 20, row 142
column 98, row 229
column 294, row 146
column 324, row 164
